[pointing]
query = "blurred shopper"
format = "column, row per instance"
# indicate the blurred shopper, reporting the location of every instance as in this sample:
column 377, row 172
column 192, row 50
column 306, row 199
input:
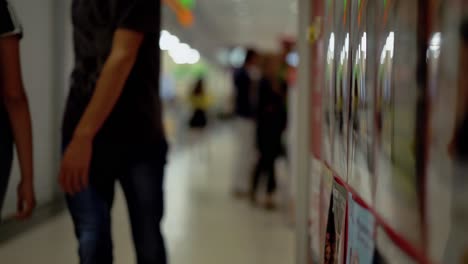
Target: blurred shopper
column 244, row 84
column 271, row 123
column 199, row 101
column 112, row 128
column 15, row 117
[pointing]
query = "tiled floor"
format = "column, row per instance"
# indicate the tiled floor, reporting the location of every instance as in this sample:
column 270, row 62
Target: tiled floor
column 203, row 224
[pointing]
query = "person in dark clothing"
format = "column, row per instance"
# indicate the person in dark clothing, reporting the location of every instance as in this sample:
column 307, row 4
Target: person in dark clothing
column 15, row 117
column 245, row 87
column 271, row 123
column 112, row 129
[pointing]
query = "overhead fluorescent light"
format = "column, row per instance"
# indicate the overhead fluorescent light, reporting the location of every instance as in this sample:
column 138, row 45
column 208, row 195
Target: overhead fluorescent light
column 181, row 53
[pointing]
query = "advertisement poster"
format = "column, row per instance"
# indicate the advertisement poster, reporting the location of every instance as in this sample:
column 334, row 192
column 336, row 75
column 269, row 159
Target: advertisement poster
column 326, row 188
column 361, row 125
column 398, row 187
column 389, row 252
column 334, row 250
column 316, row 173
column 361, row 224
column 342, row 88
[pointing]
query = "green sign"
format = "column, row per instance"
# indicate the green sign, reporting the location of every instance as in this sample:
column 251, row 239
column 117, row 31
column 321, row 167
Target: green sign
column 189, row 4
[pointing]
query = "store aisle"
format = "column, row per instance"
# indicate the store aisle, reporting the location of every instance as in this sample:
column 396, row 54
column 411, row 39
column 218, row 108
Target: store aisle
column 203, row 224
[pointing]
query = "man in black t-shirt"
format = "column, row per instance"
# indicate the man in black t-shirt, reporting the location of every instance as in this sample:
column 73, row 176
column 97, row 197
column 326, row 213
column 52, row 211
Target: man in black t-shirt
column 112, row 128
column 15, row 119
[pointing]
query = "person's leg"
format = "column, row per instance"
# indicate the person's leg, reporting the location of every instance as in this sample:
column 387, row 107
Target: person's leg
column 143, row 188
column 271, row 181
column 270, row 170
column 90, row 211
column 257, row 174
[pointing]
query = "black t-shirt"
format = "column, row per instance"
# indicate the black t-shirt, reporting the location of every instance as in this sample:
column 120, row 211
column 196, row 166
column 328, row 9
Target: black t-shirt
column 134, row 126
column 9, row 26
column 243, row 85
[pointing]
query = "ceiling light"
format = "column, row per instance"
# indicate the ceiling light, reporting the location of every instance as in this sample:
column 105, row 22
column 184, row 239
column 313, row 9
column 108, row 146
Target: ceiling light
column 181, row 53
column 167, row 40
column 193, row 56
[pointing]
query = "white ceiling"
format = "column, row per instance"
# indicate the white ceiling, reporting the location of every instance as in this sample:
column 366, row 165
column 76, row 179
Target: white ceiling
column 227, row 23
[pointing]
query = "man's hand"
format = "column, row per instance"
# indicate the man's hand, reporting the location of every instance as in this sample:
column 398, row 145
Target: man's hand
column 74, row 171
column 26, row 200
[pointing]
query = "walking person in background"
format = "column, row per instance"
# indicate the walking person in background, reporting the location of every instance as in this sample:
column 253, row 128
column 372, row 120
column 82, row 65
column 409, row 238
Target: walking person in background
column 199, row 101
column 15, row 117
column 112, row 128
column 244, row 85
column 271, row 123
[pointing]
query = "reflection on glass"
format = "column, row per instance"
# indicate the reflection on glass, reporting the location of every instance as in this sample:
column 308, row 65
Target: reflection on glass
column 344, row 63
column 328, row 98
column 388, row 48
column 384, row 101
column 434, row 45
column 331, row 48
column 362, row 55
column 433, row 54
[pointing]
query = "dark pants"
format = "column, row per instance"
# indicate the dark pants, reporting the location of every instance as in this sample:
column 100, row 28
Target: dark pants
column 142, row 183
column 269, row 132
column 6, row 159
column 265, row 166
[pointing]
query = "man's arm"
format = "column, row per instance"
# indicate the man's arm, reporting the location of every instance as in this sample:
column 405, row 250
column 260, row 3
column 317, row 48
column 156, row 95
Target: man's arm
column 16, row 103
column 111, row 82
column 116, row 70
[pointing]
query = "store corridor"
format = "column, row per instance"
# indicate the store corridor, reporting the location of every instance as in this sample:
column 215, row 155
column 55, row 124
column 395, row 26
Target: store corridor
column 203, row 224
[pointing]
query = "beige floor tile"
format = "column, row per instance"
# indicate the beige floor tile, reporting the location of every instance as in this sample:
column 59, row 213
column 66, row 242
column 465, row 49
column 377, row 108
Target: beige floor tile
column 203, row 224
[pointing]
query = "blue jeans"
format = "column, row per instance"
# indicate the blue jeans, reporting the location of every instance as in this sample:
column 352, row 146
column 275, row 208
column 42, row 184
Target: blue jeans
column 142, row 183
